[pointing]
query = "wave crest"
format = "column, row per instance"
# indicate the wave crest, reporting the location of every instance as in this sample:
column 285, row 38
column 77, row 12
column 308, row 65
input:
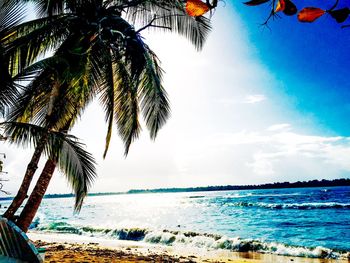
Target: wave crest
column 301, row 206
column 198, row 240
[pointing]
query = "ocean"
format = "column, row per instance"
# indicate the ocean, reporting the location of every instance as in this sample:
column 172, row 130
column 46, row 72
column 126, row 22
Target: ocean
column 308, row 222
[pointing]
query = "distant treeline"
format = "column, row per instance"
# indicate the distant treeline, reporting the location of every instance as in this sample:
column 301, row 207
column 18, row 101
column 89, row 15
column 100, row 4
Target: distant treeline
column 68, row 195
column 313, row 183
column 71, row 195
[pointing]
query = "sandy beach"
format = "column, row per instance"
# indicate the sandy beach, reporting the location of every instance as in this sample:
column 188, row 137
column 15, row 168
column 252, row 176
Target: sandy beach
column 72, row 248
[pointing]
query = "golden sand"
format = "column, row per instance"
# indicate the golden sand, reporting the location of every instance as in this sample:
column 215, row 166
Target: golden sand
column 92, row 252
column 70, row 248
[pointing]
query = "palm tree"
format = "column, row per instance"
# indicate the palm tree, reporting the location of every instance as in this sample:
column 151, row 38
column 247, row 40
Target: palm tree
column 51, row 104
column 79, row 174
column 71, row 96
column 15, row 56
column 123, row 70
column 64, row 151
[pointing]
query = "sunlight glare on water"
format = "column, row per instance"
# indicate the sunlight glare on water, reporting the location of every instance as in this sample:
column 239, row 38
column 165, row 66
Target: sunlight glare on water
column 304, row 221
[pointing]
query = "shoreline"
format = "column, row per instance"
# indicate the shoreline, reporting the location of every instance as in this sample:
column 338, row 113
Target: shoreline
column 74, row 248
column 203, row 189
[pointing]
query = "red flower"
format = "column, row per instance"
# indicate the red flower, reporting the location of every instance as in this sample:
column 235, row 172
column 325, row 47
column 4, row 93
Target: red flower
column 196, row 8
column 281, row 5
column 287, row 7
column 310, row 14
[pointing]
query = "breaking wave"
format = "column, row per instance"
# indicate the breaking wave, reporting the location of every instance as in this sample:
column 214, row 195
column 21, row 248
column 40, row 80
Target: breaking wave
column 301, row 206
column 194, row 239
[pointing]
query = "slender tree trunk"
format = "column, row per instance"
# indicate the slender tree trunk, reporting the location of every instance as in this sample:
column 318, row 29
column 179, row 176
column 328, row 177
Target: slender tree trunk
column 28, row 177
column 34, row 201
column 29, row 211
column 33, row 165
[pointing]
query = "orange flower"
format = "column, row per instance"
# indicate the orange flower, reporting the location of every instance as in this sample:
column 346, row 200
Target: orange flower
column 287, row 7
column 281, row 5
column 196, row 8
column 310, row 14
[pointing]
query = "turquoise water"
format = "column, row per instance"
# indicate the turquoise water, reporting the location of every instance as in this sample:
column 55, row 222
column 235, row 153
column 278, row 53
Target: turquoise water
column 312, row 222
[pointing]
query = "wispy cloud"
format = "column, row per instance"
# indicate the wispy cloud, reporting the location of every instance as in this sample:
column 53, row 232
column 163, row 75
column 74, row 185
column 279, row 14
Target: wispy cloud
column 273, row 150
column 281, row 126
column 248, row 99
column 254, row 98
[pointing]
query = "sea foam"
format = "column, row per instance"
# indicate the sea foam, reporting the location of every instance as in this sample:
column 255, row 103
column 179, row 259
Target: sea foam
column 190, row 239
column 301, row 206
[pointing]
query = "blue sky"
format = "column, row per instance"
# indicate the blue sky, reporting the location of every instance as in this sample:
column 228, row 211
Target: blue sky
column 311, row 59
column 254, row 106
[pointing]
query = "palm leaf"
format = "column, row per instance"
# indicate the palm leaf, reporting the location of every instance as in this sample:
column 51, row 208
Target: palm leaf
column 154, row 100
column 35, row 39
column 118, row 95
column 126, row 106
column 11, row 13
column 23, row 134
column 170, row 15
column 49, row 7
column 107, row 98
column 77, row 164
column 72, row 93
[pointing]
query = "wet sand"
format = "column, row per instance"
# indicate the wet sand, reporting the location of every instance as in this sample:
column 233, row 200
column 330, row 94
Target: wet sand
column 74, row 249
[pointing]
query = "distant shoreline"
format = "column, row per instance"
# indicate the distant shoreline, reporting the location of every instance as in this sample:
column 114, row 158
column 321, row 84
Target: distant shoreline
column 313, row 183
column 278, row 185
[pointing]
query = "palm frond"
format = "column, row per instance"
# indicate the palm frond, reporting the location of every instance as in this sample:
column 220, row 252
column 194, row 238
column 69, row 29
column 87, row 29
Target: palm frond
column 138, row 78
column 118, row 96
column 23, row 134
column 72, row 92
column 33, row 100
column 154, row 99
column 11, row 14
column 9, row 90
column 107, row 99
column 34, row 39
column 49, row 8
column 126, row 105
column 170, row 15
column 77, row 164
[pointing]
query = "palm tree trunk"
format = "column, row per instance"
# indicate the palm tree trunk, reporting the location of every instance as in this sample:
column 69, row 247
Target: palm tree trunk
column 28, row 177
column 28, row 213
column 33, row 165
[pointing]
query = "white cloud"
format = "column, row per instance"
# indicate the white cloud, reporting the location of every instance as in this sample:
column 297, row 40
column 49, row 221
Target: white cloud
column 281, row 126
column 262, row 164
column 268, row 153
column 254, row 98
column 248, row 99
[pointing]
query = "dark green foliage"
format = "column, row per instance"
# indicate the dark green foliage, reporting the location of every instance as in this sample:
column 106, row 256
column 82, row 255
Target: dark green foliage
column 76, row 163
column 11, row 14
column 313, row 183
